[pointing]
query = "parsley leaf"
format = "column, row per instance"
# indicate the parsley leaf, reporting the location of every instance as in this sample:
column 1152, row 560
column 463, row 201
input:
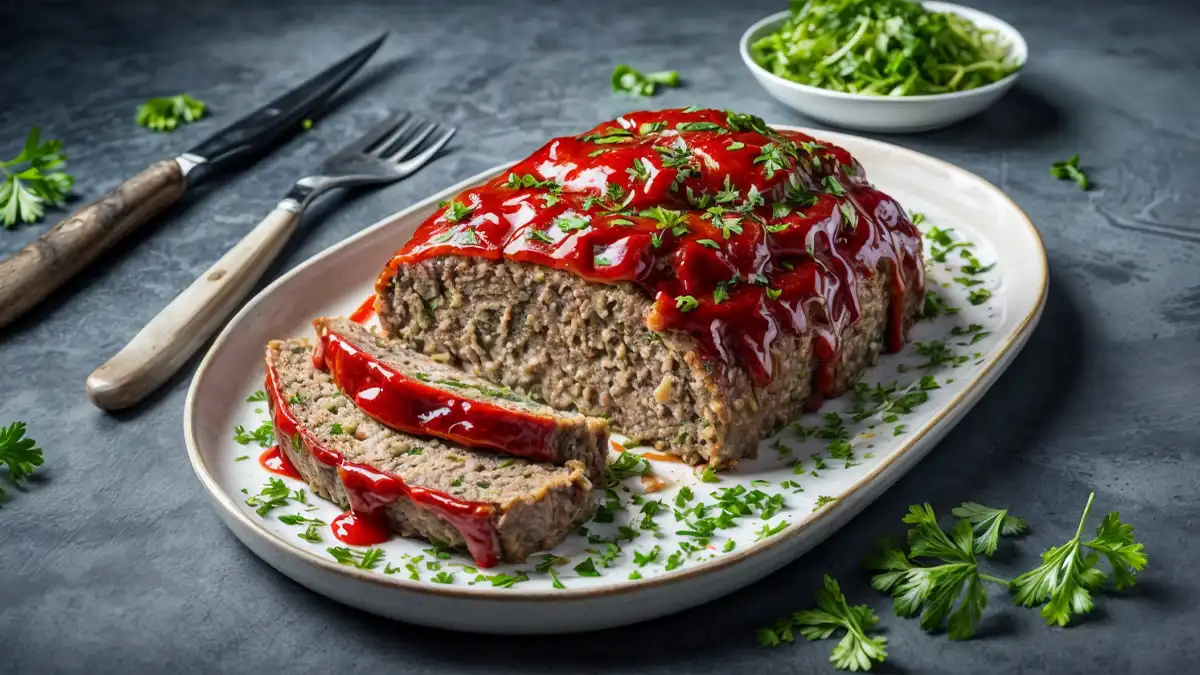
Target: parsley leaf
column 20, row 454
column 264, row 435
column 27, row 182
column 167, row 113
column 988, row 524
column 363, row 560
column 857, row 650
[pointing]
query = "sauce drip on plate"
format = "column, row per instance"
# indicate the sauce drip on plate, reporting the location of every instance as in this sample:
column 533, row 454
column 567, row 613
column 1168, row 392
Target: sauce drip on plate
column 276, row 461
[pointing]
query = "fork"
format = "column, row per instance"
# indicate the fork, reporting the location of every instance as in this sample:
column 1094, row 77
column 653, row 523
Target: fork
column 395, row 149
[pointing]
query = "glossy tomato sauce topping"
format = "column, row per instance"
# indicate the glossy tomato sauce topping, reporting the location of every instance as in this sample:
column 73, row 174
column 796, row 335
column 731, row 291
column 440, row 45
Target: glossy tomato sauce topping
column 739, row 232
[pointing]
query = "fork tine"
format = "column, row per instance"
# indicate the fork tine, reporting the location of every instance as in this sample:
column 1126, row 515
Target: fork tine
column 380, row 149
column 412, row 144
column 414, row 163
column 377, row 132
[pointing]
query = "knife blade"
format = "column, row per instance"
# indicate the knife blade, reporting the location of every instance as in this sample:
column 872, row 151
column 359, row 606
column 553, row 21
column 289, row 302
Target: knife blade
column 56, row 256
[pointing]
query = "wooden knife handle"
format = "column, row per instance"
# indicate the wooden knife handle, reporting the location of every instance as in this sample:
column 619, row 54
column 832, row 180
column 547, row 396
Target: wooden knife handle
column 170, row 339
column 56, row 256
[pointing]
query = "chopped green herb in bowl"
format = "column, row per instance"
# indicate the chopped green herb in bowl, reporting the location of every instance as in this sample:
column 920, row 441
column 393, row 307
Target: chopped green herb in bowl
column 884, row 65
column 883, row 48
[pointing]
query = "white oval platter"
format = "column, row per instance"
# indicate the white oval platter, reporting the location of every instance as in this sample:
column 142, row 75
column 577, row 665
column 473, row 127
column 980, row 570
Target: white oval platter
column 808, row 481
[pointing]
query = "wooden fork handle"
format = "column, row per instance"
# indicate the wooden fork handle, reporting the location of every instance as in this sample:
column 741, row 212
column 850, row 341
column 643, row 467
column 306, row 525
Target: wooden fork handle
column 36, row 270
column 158, row 351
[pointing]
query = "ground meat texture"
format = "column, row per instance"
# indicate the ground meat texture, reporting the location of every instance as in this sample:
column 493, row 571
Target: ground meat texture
column 427, row 397
column 534, row 504
column 575, row 344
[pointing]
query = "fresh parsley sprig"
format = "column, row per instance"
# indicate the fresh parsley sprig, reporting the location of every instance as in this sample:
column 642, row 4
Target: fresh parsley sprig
column 951, row 593
column 1068, row 575
column 20, row 454
column 167, row 113
column 856, row 651
column 30, row 182
column 627, row 80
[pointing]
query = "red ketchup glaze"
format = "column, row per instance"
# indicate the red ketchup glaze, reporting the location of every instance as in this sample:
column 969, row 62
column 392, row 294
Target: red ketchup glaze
column 401, row 402
column 369, row 489
column 365, row 311
column 357, row 530
column 768, row 232
column 276, row 461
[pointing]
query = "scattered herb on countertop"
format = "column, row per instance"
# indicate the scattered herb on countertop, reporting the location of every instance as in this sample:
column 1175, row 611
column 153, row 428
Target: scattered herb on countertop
column 19, row 453
column 951, row 593
column 1068, row 169
column 1068, row 575
column 168, row 112
column 627, row 80
column 856, row 651
column 883, row 48
column 30, row 181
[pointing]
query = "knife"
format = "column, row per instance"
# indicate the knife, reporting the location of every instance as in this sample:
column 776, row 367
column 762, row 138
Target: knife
column 58, row 255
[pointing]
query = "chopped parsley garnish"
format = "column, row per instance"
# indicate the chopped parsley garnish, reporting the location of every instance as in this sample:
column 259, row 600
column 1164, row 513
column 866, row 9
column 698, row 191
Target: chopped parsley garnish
column 849, row 213
column 1068, row 169
column 709, row 243
column 771, row 530
column 539, row 235
column 938, row 354
column 834, row 186
column 822, row 500
column 455, row 211
column 508, row 581
column 571, row 223
column 363, row 560
column 274, row 494
column 979, row 296
column 685, row 303
column 709, row 476
column 772, row 159
column 264, row 435
column 698, row 126
column 311, row 533
column 516, row 182
column 587, row 568
column 651, row 127
column 627, row 80
column 935, row 306
column 257, row 396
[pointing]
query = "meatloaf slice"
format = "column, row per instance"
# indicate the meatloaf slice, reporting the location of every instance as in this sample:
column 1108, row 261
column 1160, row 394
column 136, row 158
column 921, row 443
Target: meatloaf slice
column 501, row 509
column 411, row 392
column 575, row 344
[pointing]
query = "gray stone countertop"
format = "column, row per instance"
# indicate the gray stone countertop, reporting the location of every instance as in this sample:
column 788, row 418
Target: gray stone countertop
column 113, row 561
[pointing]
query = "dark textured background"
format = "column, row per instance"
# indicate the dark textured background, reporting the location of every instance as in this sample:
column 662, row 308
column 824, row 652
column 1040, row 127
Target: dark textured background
column 112, row 560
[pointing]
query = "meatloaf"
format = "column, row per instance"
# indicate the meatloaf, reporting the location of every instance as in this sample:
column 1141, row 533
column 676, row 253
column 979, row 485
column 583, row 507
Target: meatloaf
column 694, row 275
column 411, row 392
column 500, row 509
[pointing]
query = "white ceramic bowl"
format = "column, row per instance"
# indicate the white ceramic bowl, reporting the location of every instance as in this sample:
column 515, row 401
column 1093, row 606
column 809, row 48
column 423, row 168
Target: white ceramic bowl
column 886, row 113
